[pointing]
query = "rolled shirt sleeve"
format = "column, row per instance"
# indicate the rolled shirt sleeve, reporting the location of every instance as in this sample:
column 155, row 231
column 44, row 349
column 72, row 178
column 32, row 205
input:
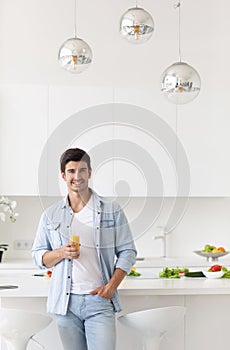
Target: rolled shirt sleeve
column 125, row 248
column 41, row 242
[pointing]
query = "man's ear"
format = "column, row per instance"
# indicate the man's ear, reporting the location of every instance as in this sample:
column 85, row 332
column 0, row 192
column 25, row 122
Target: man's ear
column 63, row 176
column 90, row 173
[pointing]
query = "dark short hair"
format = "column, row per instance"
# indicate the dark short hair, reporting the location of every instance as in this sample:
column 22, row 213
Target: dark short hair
column 74, row 155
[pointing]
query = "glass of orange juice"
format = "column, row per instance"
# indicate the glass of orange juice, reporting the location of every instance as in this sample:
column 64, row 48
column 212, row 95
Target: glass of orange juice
column 76, row 240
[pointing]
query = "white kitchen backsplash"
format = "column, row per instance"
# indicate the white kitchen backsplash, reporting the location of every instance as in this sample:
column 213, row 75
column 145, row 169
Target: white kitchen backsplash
column 206, row 220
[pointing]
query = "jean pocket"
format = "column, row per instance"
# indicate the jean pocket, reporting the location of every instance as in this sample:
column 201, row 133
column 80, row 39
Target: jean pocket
column 102, row 303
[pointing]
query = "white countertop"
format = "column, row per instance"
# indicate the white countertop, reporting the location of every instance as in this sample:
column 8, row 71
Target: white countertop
column 192, row 261
column 20, row 273
column 182, row 286
column 148, row 284
column 17, row 264
column 28, row 285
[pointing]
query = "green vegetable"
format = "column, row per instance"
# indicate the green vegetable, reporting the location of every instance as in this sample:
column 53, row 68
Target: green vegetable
column 172, row 273
column 226, row 272
column 134, row 273
column 226, row 275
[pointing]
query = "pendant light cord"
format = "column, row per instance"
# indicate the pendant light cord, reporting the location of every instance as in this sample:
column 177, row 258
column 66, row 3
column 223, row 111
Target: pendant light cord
column 178, row 6
column 179, row 33
column 75, row 19
column 176, row 144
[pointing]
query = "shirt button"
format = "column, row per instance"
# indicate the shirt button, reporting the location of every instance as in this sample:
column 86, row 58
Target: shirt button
column 67, row 226
column 67, row 293
column 97, row 227
column 97, row 245
column 68, row 276
column 69, row 259
column 98, row 212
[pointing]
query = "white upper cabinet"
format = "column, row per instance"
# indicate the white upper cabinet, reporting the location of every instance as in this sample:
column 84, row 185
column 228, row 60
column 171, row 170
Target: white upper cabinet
column 203, row 128
column 147, row 128
column 23, row 132
column 134, row 149
column 75, row 120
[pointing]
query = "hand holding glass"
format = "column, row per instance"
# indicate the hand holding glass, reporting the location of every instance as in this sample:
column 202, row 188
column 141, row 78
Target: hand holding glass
column 76, row 240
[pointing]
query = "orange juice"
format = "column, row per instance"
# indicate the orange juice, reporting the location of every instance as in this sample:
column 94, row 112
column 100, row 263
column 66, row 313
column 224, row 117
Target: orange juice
column 76, row 240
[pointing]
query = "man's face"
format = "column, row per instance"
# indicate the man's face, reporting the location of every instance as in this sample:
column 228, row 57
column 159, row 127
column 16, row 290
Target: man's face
column 76, row 176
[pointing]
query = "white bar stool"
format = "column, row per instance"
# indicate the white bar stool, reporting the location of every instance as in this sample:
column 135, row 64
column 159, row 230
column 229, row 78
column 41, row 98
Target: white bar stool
column 18, row 326
column 152, row 325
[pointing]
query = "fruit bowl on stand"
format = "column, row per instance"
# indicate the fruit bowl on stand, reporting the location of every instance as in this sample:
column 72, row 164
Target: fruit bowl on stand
column 211, row 256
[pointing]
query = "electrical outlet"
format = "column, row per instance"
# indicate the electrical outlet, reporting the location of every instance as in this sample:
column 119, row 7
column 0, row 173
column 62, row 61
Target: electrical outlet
column 23, row 244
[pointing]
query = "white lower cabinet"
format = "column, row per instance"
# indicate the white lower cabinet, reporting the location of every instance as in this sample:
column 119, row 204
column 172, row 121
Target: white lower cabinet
column 206, row 323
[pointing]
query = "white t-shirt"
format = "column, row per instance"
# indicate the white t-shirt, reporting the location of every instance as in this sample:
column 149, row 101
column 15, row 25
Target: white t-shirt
column 86, row 274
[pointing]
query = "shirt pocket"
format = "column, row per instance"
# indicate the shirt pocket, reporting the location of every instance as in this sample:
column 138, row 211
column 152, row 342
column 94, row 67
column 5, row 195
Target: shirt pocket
column 107, row 223
column 107, row 237
column 54, row 235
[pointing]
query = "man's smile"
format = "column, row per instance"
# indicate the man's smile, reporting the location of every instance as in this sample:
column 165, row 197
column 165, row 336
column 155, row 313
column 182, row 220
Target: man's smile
column 77, row 182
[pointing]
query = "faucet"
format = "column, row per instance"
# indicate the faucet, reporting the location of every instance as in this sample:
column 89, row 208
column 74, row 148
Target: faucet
column 162, row 236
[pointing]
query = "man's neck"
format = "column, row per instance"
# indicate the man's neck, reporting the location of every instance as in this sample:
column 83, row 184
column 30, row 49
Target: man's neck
column 79, row 200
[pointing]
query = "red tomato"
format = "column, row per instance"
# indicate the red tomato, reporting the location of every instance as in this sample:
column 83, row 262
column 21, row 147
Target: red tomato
column 215, row 268
column 48, row 273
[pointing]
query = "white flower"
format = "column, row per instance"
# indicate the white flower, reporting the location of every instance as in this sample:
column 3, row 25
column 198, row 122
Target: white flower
column 2, row 216
column 8, row 206
column 13, row 204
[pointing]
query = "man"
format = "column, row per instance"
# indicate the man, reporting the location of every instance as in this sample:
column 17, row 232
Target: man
column 83, row 290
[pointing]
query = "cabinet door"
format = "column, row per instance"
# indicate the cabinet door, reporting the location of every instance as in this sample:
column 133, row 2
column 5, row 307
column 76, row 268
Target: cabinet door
column 23, row 131
column 207, row 314
column 79, row 117
column 203, row 128
column 197, row 157
column 148, row 129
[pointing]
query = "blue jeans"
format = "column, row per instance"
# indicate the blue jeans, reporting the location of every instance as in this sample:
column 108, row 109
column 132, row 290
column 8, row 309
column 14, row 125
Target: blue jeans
column 88, row 324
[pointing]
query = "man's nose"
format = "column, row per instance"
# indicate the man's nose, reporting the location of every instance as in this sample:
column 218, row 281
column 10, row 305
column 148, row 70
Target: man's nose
column 77, row 175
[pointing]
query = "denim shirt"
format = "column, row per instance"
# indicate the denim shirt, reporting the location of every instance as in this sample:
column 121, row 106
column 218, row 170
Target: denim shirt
column 113, row 243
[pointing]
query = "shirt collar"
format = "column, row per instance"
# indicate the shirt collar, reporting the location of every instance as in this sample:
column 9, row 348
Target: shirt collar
column 65, row 203
column 97, row 200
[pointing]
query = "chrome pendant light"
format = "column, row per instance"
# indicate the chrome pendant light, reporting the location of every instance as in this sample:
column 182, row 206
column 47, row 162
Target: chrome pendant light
column 136, row 25
column 180, row 82
column 75, row 54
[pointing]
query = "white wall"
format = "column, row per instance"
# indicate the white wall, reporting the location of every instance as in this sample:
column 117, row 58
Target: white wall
column 205, row 221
